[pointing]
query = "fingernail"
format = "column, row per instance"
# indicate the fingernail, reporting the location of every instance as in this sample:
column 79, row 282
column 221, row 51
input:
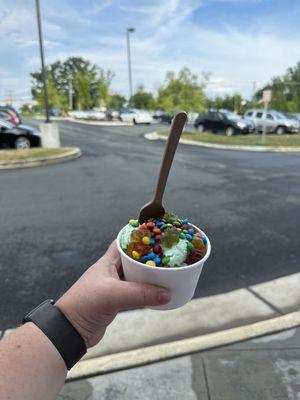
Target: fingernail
column 164, row 296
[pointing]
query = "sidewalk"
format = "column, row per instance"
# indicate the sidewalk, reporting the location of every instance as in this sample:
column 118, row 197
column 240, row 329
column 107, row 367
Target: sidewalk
column 265, row 368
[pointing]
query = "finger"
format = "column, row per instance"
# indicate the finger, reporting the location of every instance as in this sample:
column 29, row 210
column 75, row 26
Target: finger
column 132, row 295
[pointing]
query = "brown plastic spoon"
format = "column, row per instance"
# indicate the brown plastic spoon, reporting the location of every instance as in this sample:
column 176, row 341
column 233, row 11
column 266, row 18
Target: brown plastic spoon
column 155, row 209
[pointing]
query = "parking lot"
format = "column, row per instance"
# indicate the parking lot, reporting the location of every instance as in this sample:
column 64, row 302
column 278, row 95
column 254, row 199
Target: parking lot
column 56, row 220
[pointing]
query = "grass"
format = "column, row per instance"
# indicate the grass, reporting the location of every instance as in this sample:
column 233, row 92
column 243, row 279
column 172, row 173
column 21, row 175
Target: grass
column 246, row 140
column 32, row 154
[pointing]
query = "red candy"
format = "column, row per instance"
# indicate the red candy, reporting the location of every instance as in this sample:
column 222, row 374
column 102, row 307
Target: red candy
column 157, row 249
column 156, row 230
column 176, row 224
column 157, row 238
column 150, row 224
column 193, row 257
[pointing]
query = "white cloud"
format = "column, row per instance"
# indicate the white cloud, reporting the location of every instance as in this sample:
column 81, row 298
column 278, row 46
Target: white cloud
column 166, row 38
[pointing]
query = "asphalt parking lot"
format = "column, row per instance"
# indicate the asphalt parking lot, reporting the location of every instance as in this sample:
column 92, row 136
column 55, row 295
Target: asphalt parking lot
column 56, row 220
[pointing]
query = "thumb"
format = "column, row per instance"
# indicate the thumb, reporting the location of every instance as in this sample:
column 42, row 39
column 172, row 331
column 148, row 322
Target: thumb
column 132, row 295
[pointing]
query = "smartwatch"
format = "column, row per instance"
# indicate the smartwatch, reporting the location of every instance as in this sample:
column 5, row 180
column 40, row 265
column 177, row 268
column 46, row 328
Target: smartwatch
column 53, row 323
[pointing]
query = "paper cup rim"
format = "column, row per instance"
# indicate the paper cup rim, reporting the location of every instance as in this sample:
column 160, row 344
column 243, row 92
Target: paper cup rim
column 167, row 270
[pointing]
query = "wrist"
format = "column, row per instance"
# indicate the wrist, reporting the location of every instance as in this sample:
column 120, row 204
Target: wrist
column 72, row 316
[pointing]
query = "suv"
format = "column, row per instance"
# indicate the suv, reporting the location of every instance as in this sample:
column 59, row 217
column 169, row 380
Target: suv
column 225, row 121
column 276, row 122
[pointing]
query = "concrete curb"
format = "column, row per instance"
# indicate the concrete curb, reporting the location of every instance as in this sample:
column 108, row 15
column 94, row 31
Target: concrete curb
column 75, row 152
column 142, row 356
column 283, row 149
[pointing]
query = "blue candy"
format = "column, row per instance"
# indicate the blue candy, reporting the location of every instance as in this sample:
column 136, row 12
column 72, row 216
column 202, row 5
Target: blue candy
column 152, row 241
column 157, row 260
column 144, row 259
column 204, row 240
column 191, row 231
column 189, row 237
column 159, row 224
column 151, row 255
column 185, row 222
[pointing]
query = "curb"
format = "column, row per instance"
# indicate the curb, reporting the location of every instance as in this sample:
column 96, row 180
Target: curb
column 142, row 356
column 282, row 149
column 75, row 152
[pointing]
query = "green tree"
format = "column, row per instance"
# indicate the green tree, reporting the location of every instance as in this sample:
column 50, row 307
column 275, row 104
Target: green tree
column 229, row 102
column 142, row 99
column 285, row 90
column 116, row 101
column 182, row 92
column 90, row 83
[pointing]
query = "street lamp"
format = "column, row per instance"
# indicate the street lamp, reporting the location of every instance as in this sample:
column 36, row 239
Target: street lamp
column 39, row 24
column 128, row 31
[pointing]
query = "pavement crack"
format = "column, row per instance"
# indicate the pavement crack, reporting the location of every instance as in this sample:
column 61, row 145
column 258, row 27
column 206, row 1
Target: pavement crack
column 258, row 296
column 206, row 379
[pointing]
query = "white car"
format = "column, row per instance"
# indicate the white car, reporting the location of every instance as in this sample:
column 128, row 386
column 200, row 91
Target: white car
column 136, row 116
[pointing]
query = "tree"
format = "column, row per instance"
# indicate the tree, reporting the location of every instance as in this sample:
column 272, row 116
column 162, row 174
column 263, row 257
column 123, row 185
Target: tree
column 142, row 99
column 116, row 101
column 285, row 90
column 233, row 103
column 182, row 92
column 90, row 83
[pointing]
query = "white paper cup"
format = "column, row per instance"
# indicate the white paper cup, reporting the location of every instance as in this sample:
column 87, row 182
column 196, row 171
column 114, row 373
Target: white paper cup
column 181, row 281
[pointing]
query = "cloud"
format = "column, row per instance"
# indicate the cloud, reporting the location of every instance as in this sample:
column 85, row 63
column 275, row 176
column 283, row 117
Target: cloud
column 168, row 36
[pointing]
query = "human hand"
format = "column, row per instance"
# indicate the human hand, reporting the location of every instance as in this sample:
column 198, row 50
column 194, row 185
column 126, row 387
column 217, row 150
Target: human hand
column 94, row 300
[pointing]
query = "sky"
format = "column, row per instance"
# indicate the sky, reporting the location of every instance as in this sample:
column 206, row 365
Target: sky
column 237, row 41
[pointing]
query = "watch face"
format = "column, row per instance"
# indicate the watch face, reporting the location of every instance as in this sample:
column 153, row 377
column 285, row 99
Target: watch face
column 43, row 304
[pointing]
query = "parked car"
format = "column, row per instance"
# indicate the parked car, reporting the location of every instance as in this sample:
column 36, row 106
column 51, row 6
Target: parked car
column 136, row 116
column 19, row 137
column 295, row 116
column 225, row 121
column 112, row 114
column 164, row 118
column 275, row 121
column 10, row 115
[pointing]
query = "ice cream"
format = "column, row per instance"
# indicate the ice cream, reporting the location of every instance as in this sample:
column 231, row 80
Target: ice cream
column 168, row 242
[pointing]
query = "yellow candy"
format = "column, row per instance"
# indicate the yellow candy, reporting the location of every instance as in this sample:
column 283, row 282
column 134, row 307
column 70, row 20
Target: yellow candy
column 146, row 240
column 136, row 255
column 150, row 262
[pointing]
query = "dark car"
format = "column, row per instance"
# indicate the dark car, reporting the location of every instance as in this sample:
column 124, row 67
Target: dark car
column 19, row 137
column 164, row 118
column 226, row 122
column 10, row 115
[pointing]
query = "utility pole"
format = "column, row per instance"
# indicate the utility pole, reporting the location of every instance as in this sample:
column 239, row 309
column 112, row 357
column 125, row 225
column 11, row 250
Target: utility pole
column 44, row 79
column 128, row 31
column 254, row 90
column 70, row 94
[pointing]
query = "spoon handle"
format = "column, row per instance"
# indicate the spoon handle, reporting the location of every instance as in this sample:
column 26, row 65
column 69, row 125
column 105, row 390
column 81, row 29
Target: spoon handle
column 176, row 129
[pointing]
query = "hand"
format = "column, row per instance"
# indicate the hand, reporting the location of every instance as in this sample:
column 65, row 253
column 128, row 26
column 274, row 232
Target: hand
column 95, row 299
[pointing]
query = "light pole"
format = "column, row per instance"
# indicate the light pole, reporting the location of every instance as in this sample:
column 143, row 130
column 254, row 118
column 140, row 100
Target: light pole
column 128, row 31
column 39, row 24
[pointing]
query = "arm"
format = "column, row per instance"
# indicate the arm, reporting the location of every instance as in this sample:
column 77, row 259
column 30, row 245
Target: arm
column 31, row 367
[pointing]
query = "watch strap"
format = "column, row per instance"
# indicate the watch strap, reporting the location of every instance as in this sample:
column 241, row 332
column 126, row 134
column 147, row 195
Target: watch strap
column 59, row 331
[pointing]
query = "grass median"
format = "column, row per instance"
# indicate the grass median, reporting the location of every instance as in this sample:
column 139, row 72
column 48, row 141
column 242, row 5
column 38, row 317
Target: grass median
column 32, row 154
column 292, row 140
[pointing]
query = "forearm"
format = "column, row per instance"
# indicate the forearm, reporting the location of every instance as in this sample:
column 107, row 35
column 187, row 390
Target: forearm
column 28, row 349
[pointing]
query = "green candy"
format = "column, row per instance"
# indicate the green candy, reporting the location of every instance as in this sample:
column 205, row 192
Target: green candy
column 182, row 235
column 185, row 231
column 165, row 260
column 163, row 227
column 135, row 223
column 171, row 220
column 190, row 246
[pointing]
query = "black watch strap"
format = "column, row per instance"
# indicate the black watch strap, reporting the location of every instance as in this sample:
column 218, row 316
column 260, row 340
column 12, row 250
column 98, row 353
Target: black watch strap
column 59, row 331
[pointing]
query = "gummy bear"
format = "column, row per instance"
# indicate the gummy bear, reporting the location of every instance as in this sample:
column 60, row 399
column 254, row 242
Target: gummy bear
column 138, row 234
column 198, row 244
column 170, row 237
column 193, row 257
